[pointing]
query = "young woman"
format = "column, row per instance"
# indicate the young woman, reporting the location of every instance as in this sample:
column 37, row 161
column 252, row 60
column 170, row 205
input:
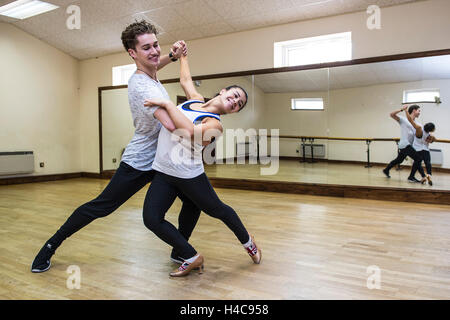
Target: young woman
column 422, row 139
column 179, row 167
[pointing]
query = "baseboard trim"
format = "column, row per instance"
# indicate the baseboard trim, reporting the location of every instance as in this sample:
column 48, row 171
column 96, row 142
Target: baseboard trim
column 92, row 175
column 54, row 177
column 42, row 178
column 330, row 190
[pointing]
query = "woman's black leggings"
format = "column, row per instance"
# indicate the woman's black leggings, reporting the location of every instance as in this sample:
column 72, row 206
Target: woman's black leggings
column 123, row 185
column 160, row 197
column 425, row 156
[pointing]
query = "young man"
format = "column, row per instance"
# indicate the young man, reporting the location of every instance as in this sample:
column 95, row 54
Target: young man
column 407, row 133
column 135, row 170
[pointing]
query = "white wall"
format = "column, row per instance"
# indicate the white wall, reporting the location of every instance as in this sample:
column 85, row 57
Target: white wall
column 117, row 126
column 39, row 102
column 411, row 27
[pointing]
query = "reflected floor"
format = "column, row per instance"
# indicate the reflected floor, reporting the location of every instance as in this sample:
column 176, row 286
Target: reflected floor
column 327, row 173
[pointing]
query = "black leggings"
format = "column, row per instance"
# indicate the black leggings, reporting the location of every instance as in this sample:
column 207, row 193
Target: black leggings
column 160, row 197
column 424, row 156
column 405, row 152
column 124, row 184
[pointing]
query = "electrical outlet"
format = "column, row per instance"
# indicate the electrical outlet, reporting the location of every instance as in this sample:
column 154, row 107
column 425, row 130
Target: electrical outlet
column 41, row 164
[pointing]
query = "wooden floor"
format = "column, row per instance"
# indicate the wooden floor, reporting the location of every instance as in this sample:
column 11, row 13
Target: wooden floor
column 328, row 173
column 313, row 248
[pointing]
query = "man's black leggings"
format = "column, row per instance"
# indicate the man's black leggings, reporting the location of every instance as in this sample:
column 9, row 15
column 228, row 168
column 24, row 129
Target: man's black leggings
column 123, row 185
column 405, row 152
column 160, row 197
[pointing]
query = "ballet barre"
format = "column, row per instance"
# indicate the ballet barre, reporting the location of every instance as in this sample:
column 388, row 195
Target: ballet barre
column 368, row 141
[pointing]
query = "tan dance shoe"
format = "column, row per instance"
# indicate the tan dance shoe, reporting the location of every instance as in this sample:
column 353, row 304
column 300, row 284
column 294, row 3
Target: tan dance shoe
column 255, row 252
column 187, row 267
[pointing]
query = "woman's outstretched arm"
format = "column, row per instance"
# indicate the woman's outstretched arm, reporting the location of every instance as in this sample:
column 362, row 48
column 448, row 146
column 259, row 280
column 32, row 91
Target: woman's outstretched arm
column 186, row 80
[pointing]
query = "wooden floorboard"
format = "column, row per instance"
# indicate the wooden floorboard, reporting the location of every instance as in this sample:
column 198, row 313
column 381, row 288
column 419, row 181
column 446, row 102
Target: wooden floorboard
column 313, row 248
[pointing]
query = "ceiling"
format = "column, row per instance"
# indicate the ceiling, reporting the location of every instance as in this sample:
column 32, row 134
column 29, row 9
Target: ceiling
column 410, row 70
column 102, row 21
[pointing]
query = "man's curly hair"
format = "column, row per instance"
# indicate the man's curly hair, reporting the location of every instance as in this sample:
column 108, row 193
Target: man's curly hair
column 130, row 34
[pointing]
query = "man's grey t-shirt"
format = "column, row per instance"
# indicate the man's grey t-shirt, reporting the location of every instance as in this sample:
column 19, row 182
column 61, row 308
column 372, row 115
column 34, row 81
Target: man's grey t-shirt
column 141, row 150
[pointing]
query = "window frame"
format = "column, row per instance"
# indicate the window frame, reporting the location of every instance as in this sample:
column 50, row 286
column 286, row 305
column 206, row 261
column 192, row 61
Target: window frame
column 406, row 92
column 121, row 70
column 294, row 100
column 282, row 49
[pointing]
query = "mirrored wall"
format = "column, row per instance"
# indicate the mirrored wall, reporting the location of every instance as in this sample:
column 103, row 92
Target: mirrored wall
column 347, row 142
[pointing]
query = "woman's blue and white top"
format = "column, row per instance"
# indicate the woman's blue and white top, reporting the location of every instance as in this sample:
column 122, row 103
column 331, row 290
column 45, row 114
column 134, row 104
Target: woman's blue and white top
column 176, row 156
column 421, row 144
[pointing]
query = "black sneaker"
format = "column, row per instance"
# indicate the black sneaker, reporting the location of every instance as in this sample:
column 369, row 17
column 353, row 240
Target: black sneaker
column 386, row 173
column 175, row 258
column 42, row 261
column 413, row 180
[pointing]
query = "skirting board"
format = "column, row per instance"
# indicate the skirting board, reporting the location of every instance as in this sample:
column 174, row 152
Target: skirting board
column 329, row 190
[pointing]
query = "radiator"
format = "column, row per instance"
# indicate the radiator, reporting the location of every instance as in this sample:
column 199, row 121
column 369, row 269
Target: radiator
column 16, row 162
column 318, row 149
column 436, row 156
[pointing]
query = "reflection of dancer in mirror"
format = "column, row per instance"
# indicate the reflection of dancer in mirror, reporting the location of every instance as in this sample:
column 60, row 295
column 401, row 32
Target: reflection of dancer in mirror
column 422, row 139
column 179, row 166
column 135, row 170
column 407, row 133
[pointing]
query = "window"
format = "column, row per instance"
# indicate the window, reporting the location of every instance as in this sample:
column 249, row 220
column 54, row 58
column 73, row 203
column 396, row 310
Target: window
column 122, row 74
column 327, row 48
column 307, row 104
column 421, row 96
